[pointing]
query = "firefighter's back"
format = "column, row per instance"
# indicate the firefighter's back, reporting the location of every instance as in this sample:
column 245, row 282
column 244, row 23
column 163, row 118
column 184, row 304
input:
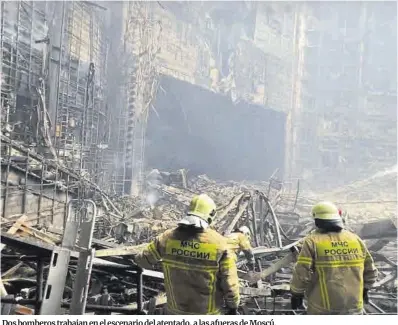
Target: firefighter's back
column 339, row 264
column 191, row 262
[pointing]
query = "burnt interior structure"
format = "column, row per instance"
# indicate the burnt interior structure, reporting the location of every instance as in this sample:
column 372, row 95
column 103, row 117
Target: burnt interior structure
column 191, row 127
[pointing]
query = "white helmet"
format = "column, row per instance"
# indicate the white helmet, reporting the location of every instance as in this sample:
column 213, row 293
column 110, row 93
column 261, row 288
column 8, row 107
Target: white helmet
column 246, row 231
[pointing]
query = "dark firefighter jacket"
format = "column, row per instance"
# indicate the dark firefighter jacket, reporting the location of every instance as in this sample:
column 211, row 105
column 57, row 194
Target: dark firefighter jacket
column 199, row 270
column 238, row 242
column 332, row 270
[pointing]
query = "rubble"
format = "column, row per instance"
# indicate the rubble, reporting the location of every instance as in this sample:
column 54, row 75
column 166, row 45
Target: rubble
column 272, row 210
column 371, row 198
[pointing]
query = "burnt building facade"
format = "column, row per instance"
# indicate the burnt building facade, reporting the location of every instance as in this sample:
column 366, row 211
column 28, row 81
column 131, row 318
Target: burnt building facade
column 303, row 87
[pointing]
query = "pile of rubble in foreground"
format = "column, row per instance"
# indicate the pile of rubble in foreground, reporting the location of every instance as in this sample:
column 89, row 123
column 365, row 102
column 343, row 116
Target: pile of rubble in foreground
column 274, row 211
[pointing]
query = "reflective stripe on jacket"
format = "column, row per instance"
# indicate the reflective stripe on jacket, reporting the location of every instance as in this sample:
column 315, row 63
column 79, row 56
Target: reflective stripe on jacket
column 199, row 270
column 238, row 242
column 332, row 269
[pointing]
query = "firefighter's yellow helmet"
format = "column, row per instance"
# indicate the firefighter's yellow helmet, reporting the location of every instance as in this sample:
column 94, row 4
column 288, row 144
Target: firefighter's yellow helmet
column 201, row 212
column 203, row 207
column 326, row 211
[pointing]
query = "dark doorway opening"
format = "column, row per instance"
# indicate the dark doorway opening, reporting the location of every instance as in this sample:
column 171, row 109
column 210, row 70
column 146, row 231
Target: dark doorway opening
column 206, row 133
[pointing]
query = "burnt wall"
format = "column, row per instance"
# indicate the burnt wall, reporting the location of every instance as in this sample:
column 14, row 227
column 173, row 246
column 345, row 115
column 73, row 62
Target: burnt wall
column 191, row 127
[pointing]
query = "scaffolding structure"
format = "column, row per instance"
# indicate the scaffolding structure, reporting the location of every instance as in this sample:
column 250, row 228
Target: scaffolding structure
column 23, row 29
column 53, row 82
column 81, row 118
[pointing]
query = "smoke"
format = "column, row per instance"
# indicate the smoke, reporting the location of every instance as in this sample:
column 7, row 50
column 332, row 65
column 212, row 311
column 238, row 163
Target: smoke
column 152, row 195
column 151, row 198
column 392, row 170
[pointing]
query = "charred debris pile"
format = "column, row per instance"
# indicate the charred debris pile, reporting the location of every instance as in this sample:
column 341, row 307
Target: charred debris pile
column 275, row 211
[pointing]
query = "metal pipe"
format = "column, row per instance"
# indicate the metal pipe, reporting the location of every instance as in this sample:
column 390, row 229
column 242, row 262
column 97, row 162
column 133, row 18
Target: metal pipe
column 66, row 121
column 30, row 82
column 54, row 198
column 376, row 307
column 65, row 215
column 254, row 211
column 277, row 226
column 25, row 185
column 6, row 188
column 19, row 257
column 59, row 75
column 41, row 190
column 32, row 302
column 262, row 220
column 39, row 285
column 139, row 291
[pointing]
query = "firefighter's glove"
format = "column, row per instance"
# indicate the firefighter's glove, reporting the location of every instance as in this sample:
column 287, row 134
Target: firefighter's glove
column 233, row 311
column 296, row 301
column 365, row 296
